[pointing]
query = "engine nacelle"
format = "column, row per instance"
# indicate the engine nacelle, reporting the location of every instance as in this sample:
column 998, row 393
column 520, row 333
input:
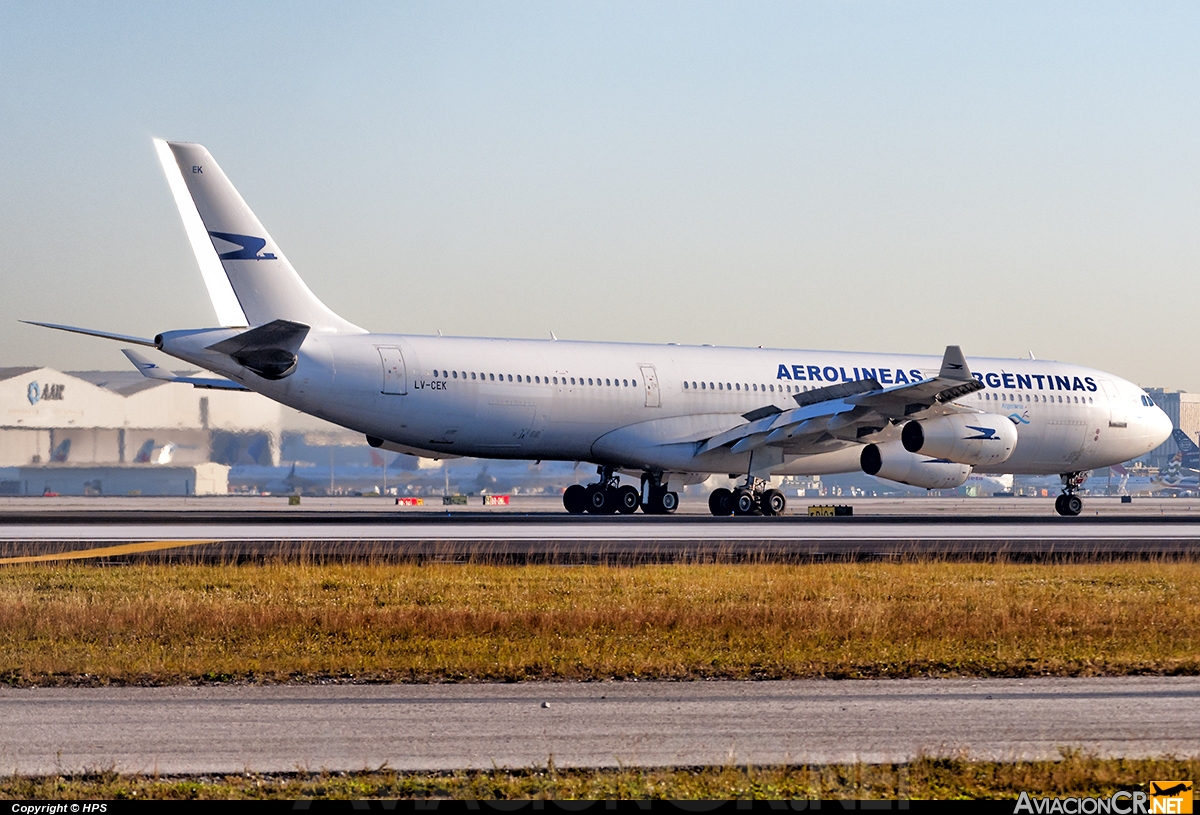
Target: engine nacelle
column 978, row 439
column 891, row 461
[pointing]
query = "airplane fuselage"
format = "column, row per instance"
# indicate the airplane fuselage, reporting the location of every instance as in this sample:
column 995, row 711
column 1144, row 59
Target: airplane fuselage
column 647, row 407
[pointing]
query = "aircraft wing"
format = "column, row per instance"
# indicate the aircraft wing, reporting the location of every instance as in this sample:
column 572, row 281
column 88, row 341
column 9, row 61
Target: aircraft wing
column 151, row 370
column 851, row 412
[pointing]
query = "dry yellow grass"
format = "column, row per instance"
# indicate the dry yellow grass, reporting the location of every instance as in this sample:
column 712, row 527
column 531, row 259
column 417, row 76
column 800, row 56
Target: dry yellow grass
column 289, row 622
column 1075, row 774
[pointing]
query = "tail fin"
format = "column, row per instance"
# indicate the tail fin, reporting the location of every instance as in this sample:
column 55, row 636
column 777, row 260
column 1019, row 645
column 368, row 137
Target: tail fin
column 249, row 280
column 1189, row 449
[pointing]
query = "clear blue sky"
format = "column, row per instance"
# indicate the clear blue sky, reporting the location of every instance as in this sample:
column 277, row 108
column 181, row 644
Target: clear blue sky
column 876, row 176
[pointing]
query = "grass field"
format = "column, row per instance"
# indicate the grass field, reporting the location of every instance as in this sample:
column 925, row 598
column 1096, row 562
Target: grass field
column 72, row 624
column 1075, row 774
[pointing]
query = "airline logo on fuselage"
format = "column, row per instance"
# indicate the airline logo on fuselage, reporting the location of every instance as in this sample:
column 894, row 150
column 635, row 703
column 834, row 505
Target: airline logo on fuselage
column 248, row 247
column 899, row 376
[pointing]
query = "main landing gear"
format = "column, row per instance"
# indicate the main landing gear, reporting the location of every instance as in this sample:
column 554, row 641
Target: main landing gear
column 1069, row 504
column 607, row 496
column 752, row 498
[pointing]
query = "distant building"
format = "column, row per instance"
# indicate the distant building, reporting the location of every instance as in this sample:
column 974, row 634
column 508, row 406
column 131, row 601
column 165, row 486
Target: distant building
column 1184, row 410
column 117, row 433
column 105, row 417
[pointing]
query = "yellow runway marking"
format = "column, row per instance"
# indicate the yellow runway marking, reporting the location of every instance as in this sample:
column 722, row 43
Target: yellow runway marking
column 104, row 551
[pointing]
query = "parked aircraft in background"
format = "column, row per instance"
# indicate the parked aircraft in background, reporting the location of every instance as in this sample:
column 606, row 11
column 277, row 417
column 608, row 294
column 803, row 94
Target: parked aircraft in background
column 667, row 414
column 146, row 455
column 61, row 452
column 1189, row 453
column 1170, row 480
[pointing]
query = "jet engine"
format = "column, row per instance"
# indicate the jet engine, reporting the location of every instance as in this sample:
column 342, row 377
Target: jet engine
column 978, row 439
column 891, row 461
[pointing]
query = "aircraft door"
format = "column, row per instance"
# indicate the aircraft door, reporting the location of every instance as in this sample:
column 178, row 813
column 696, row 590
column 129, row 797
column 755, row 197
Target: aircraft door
column 650, row 380
column 1116, row 410
column 395, row 375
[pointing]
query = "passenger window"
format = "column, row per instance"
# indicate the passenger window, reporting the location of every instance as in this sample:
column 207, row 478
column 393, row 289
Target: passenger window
column 492, row 377
column 772, row 387
column 738, row 387
column 685, row 385
column 625, row 383
column 720, row 386
column 702, row 386
column 607, row 383
column 756, row 386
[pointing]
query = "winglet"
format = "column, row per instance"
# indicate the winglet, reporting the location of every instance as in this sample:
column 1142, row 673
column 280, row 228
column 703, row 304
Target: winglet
column 954, row 365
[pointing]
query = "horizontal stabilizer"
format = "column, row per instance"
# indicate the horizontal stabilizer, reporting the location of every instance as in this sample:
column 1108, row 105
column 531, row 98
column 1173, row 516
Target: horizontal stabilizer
column 269, row 350
column 91, row 332
column 151, row 370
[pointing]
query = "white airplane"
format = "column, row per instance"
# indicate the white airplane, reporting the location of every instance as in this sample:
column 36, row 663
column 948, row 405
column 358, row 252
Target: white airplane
column 669, row 414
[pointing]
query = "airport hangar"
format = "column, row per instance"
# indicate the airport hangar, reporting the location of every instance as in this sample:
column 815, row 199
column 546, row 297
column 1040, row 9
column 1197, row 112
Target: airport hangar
column 79, row 433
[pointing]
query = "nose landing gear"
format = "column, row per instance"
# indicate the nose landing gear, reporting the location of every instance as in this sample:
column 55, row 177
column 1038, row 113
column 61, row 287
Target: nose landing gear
column 1069, row 504
column 752, row 498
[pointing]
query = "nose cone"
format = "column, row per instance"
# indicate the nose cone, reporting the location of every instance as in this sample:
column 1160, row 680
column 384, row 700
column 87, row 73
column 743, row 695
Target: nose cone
column 1158, row 426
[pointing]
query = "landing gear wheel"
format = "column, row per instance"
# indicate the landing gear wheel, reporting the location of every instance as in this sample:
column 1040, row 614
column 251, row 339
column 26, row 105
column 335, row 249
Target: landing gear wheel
column 669, row 502
column 575, row 499
column 720, row 502
column 661, row 502
column 1068, row 505
column 628, row 500
column 744, row 503
column 772, row 502
column 600, row 501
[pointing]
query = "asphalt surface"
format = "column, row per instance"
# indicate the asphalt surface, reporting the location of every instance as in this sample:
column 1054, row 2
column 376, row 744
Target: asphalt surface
column 445, row 727
column 535, row 529
column 224, row 537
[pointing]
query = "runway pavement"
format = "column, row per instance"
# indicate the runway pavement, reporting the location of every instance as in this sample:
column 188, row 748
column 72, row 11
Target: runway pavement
column 444, row 727
column 516, row 538
column 232, row 529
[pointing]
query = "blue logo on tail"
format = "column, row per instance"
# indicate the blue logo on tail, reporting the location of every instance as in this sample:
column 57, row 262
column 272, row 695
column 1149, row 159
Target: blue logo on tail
column 248, row 247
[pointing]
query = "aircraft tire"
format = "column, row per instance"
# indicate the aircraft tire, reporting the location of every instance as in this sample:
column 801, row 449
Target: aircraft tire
column 773, row 502
column 719, row 502
column 744, row 503
column 575, row 499
column 1060, row 504
column 599, row 501
column 1073, row 505
column 628, row 499
column 668, row 503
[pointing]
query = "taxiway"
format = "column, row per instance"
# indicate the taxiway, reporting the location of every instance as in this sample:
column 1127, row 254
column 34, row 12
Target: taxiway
column 445, row 727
